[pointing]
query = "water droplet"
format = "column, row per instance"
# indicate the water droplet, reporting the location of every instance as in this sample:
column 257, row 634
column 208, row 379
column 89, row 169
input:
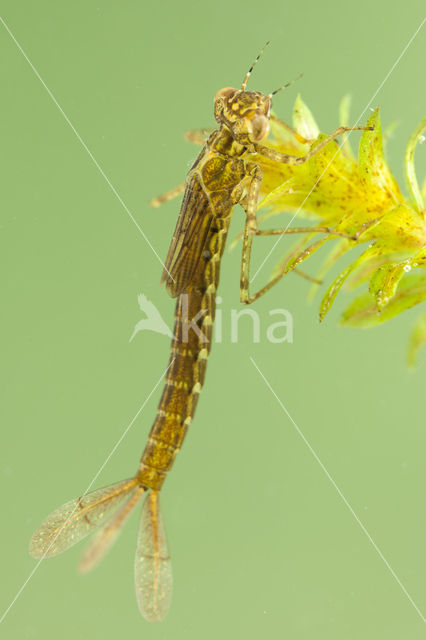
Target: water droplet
column 407, row 268
column 422, row 139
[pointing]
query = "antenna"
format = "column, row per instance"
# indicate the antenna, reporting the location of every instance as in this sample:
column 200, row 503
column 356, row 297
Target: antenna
column 284, row 86
column 243, row 86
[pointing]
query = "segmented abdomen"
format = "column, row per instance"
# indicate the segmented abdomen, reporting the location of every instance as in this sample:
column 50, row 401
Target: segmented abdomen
column 189, row 351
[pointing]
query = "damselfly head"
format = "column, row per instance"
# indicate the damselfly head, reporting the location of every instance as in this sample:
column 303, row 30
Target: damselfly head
column 245, row 113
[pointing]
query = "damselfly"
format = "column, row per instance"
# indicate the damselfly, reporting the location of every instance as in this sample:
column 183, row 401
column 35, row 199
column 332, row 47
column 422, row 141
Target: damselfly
column 225, row 173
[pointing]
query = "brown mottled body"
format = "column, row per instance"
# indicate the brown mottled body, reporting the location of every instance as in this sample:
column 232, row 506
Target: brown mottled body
column 210, row 184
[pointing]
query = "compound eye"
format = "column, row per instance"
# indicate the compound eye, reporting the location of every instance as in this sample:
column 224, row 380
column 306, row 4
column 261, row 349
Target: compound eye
column 259, row 127
column 226, row 93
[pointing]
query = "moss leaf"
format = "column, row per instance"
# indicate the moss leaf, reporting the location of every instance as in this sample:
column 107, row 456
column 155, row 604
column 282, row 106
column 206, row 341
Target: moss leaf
column 373, row 167
column 303, row 120
column 363, row 311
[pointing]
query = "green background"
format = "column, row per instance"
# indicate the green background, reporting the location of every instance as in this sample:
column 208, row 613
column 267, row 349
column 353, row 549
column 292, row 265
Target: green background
column 272, row 554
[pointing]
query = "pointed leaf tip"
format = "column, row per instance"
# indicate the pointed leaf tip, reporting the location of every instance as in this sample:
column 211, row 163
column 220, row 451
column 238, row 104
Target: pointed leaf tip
column 410, row 173
column 373, row 167
column 303, row 120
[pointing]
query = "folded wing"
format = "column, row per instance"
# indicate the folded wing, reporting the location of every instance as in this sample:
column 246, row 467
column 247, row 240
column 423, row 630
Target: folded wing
column 189, row 239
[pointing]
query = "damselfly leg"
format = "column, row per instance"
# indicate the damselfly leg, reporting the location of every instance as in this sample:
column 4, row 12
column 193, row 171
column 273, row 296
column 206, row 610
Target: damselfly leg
column 196, row 136
column 249, row 202
column 290, row 129
column 169, row 195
